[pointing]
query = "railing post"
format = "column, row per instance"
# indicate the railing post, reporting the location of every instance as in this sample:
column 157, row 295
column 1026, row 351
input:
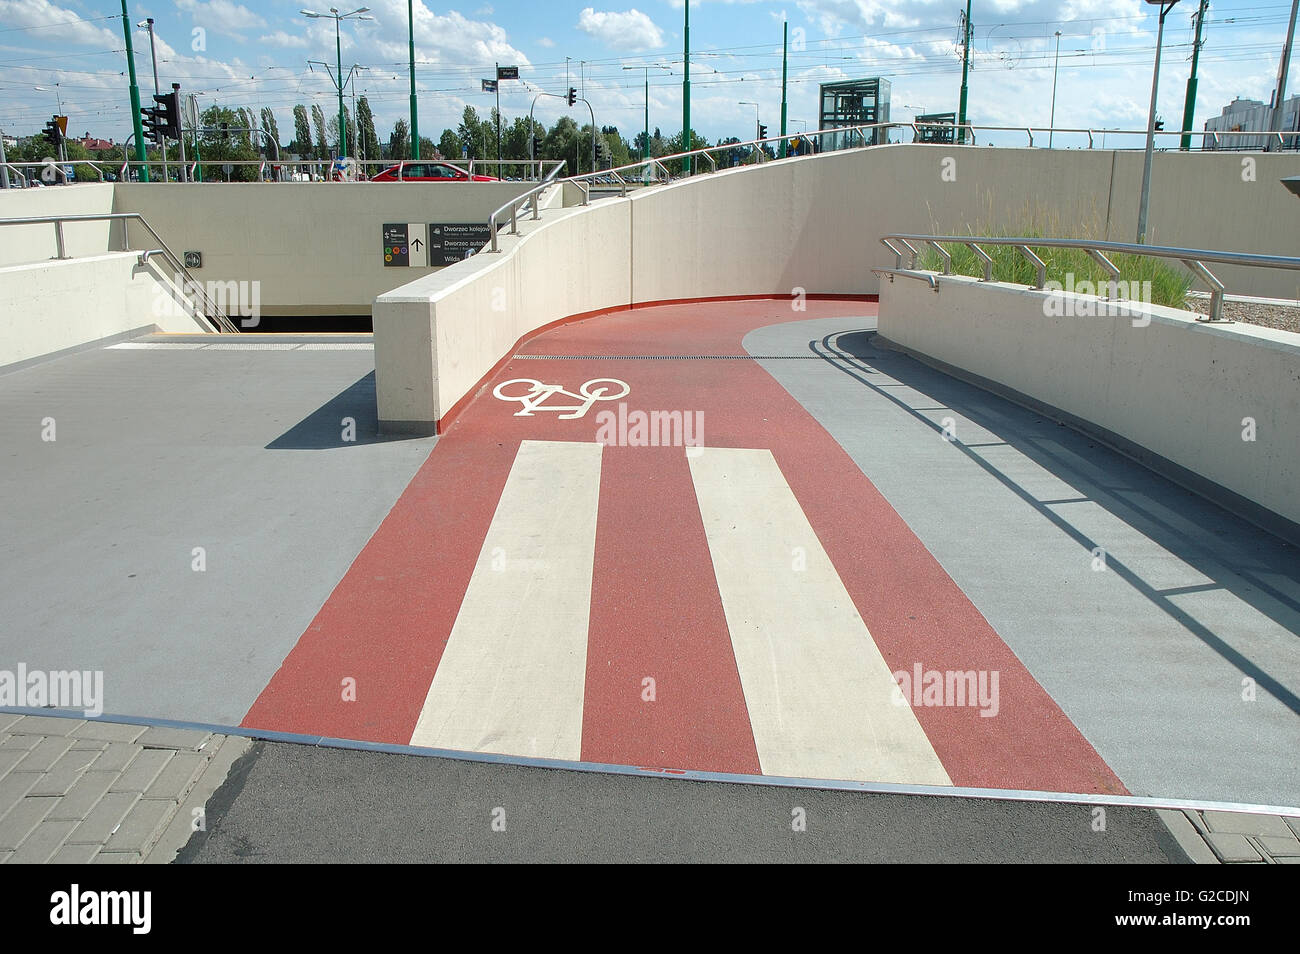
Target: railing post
column 58, row 239
column 1037, row 262
column 985, row 258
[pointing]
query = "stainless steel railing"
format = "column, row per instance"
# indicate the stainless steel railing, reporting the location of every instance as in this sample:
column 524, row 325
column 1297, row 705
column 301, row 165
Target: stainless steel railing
column 210, row 309
column 1194, row 259
column 514, row 206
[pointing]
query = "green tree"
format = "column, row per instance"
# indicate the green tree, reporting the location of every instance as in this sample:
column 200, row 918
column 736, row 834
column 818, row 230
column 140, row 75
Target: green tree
column 231, row 146
column 449, row 145
column 301, row 132
column 318, row 121
column 272, row 130
column 366, row 123
column 399, row 141
column 478, row 134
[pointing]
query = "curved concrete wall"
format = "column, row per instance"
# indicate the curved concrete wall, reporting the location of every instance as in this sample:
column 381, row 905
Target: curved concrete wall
column 812, row 223
column 1216, row 403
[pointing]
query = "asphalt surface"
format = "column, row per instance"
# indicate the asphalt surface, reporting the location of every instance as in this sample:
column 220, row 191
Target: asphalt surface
column 297, row 803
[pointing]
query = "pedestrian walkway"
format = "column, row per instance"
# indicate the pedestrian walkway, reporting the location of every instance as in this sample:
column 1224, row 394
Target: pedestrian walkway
column 74, row 791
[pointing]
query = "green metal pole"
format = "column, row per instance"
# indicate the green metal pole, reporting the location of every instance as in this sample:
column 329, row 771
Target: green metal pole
column 338, row 52
column 415, row 122
column 785, row 58
column 686, row 90
column 1189, row 109
column 965, row 72
column 140, row 154
column 497, row 90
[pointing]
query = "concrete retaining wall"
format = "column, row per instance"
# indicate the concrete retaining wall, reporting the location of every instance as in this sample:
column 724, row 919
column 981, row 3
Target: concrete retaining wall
column 52, row 306
column 316, row 247
column 1184, row 396
column 24, row 244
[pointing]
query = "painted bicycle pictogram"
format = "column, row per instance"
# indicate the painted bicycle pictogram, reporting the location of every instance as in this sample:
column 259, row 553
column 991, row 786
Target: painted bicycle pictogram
column 537, row 394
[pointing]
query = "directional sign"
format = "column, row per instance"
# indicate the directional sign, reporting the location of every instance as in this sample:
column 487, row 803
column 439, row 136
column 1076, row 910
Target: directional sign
column 489, row 86
column 405, row 245
column 452, row 242
column 396, row 251
column 507, row 72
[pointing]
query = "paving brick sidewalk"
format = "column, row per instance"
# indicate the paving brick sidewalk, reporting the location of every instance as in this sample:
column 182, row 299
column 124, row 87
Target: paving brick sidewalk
column 1236, row 837
column 78, row 791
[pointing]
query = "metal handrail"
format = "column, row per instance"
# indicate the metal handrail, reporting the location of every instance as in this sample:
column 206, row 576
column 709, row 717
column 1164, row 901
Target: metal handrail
column 1195, row 259
column 515, row 204
column 212, row 311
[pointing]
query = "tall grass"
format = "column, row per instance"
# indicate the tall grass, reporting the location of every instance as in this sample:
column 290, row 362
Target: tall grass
column 1169, row 284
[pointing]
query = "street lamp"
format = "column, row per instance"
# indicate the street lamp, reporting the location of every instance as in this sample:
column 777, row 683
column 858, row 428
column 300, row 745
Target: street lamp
column 57, row 95
column 153, row 54
column 645, row 150
column 1145, row 202
column 338, row 54
column 1051, row 132
column 755, row 105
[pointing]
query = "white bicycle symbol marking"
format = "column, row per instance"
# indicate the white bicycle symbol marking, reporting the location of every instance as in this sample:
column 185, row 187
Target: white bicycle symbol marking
column 538, row 394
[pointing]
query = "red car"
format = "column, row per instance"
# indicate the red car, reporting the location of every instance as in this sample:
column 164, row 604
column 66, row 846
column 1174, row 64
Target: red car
column 420, row 171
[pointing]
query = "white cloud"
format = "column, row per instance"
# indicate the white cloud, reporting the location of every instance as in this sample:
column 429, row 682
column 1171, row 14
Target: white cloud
column 222, row 16
column 42, row 13
column 282, row 39
column 546, row 41
column 631, row 31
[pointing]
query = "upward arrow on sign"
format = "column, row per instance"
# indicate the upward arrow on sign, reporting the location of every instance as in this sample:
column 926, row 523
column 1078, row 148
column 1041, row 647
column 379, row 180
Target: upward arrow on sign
column 416, row 244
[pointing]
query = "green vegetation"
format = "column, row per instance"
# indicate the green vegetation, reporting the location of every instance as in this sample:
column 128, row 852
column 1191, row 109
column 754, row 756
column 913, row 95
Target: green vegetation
column 1169, row 284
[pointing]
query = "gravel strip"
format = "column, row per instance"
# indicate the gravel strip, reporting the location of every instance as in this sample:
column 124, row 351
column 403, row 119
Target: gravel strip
column 1281, row 317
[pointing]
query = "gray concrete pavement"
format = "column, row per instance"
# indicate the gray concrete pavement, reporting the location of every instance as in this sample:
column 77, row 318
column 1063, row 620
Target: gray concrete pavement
column 198, row 502
column 1176, row 651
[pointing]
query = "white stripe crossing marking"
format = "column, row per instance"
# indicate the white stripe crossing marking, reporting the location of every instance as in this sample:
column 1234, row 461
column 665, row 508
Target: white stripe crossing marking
column 821, row 698
column 513, row 675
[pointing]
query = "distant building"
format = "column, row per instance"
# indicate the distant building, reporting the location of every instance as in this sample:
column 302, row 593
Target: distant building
column 95, row 145
column 1252, row 115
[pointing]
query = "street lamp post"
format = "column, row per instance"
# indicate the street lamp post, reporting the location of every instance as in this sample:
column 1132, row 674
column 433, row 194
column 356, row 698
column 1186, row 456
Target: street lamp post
column 63, row 155
column 686, row 89
column 1051, row 133
column 755, row 105
column 136, row 120
column 1145, row 201
column 153, row 55
column 338, row 60
column 415, row 122
column 645, row 146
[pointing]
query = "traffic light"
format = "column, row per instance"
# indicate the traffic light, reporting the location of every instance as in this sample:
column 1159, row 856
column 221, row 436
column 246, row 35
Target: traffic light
column 170, row 104
column 154, row 123
column 573, row 95
column 53, row 132
column 225, row 131
column 762, row 131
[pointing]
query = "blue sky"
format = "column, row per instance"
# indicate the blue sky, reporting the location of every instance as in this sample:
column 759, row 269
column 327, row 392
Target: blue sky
column 255, row 53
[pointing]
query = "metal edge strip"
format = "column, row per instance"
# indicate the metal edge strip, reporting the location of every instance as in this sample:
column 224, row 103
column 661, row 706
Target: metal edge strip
column 690, row 775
